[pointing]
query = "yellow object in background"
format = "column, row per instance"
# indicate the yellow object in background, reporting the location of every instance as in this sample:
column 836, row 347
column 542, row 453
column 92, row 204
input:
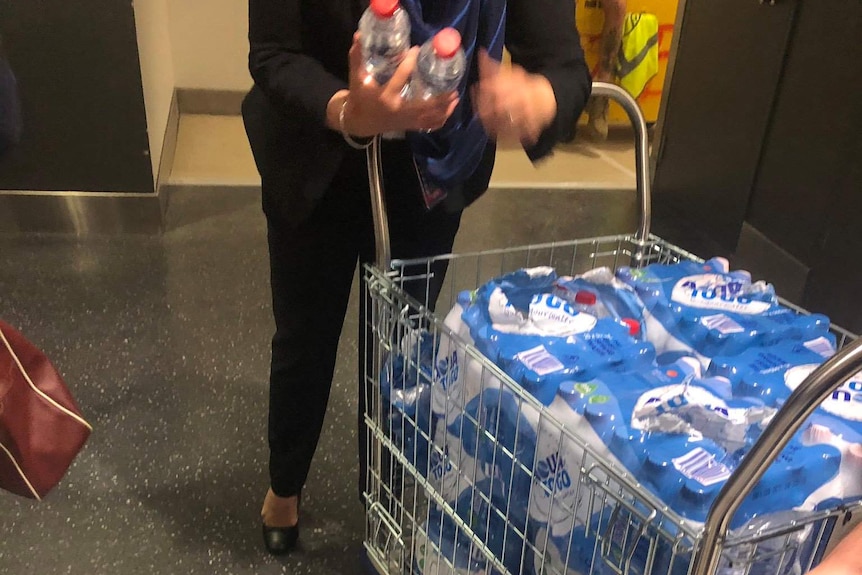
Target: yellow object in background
column 590, row 18
column 637, row 60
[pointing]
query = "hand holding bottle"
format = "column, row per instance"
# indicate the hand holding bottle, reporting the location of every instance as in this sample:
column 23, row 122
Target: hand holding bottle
column 371, row 109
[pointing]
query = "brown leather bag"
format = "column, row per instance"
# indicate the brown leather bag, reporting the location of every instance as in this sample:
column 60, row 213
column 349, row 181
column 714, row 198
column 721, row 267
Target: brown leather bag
column 41, row 428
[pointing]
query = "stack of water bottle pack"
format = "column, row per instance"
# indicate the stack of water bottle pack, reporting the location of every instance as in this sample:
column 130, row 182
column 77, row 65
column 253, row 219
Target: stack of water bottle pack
column 669, row 373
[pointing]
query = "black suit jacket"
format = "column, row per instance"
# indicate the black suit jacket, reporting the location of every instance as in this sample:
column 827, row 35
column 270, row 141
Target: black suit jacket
column 298, row 60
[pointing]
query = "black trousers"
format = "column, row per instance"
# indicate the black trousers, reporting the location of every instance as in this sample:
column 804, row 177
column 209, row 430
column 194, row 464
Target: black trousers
column 312, row 267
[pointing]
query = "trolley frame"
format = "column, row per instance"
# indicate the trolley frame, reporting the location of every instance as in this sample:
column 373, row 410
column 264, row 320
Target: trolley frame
column 393, row 315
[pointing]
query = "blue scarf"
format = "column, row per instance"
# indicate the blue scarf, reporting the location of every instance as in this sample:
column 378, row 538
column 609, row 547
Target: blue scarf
column 448, row 156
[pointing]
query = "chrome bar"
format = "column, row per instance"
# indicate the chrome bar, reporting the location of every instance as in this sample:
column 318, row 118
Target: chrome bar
column 638, row 122
column 801, row 403
column 383, row 260
column 378, row 206
column 612, row 91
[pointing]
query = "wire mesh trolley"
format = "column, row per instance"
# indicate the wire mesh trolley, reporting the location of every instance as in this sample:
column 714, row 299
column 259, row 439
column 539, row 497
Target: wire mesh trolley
column 433, row 507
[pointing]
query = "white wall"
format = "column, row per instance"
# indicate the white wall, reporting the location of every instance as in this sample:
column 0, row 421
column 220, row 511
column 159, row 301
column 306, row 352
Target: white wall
column 157, row 71
column 198, row 44
column 210, row 44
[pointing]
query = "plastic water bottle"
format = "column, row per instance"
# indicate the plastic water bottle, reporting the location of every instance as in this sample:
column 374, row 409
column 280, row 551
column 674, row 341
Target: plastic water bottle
column 385, row 37
column 440, row 66
column 587, row 302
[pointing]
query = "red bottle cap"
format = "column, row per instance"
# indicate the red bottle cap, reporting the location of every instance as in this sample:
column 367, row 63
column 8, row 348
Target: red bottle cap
column 585, row 297
column 447, row 42
column 384, row 8
column 633, row 324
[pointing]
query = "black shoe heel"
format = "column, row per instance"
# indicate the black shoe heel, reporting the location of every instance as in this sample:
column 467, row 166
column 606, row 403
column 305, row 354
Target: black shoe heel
column 280, row 540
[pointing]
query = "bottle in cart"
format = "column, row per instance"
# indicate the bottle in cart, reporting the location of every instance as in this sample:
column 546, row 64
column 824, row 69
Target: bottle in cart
column 586, row 301
column 440, row 66
column 385, row 38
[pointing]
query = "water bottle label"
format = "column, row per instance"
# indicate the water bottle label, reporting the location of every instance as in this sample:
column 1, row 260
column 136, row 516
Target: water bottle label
column 540, row 360
column 721, row 323
column 555, row 316
column 714, row 291
column 845, row 402
column 700, row 465
column 695, row 411
column 822, row 346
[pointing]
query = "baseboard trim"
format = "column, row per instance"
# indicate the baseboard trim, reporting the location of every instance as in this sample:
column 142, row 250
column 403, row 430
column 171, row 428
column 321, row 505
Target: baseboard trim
column 212, row 102
column 84, row 213
column 169, row 149
column 80, row 213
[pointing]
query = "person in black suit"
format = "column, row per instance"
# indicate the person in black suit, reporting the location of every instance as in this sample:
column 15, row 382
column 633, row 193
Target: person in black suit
column 310, row 106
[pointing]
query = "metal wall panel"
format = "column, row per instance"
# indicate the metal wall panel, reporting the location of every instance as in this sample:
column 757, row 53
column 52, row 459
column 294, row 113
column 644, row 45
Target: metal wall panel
column 727, row 65
column 80, row 83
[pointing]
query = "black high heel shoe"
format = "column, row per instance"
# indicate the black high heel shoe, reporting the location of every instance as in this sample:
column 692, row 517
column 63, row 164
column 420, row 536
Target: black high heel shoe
column 281, row 540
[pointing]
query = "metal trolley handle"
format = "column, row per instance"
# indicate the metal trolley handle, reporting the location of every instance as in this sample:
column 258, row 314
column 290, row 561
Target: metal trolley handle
column 612, row 91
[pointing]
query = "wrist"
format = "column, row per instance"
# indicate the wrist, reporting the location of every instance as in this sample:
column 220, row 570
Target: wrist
column 333, row 109
column 341, row 108
column 546, row 100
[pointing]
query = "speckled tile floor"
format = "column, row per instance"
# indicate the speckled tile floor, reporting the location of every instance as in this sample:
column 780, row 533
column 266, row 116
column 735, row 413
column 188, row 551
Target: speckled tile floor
column 164, row 341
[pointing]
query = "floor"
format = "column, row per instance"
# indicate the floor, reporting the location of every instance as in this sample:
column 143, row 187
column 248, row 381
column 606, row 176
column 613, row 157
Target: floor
column 213, row 149
column 164, row 342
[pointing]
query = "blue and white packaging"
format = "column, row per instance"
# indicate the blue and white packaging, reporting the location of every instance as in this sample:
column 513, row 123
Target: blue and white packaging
column 846, row 487
column 837, row 423
column 584, row 417
column 483, row 508
column 706, row 310
column 615, row 540
column 461, row 372
column 688, row 474
column 544, row 340
column 494, row 431
column 845, row 403
column 530, row 450
column 561, row 439
column 683, row 436
column 568, row 554
column 452, row 468
column 405, row 384
column 539, row 365
column 699, row 408
column 441, row 548
column 583, row 414
column 742, row 369
column 534, row 336
column 611, row 297
column 538, row 465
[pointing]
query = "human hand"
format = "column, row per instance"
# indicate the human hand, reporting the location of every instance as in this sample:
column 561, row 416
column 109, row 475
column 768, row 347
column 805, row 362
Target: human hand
column 845, row 558
column 373, row 109
column 512, row 104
